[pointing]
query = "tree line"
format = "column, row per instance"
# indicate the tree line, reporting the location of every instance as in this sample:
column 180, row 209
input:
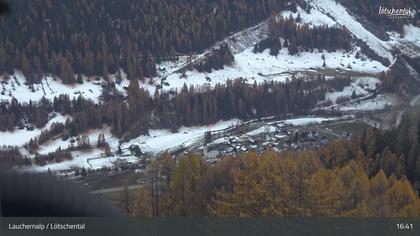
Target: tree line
column 140, row 111
column 196, row 105
column 10, row 157
column 14, row 114
column 216, row 60
column 297, row 37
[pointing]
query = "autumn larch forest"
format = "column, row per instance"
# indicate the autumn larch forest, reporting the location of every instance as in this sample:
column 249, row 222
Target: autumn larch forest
column 374, row 173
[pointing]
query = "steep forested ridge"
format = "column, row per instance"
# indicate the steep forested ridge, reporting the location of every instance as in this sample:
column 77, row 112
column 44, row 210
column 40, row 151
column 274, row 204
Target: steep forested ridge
column 96, row 37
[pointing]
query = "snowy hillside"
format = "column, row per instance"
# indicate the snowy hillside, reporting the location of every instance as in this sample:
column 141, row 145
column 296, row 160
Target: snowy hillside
column 263, row 66
column 342, row 17
column 360, row 86
column 249, row 66
column 49, row 88
column 21, row 137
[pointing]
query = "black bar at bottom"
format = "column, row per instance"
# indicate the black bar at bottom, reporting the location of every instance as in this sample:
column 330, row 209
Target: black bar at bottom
column 210, row 226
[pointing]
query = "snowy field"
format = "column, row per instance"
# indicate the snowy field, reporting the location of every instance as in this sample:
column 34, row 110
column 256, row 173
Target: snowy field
column 48, row 88
column 378, row 103
column 21, row 137
column 314, row 18
column 264, row 67
column 162, row 140
column 360, row 85
column 307, row 121
column 53, row 145
column 80, row 160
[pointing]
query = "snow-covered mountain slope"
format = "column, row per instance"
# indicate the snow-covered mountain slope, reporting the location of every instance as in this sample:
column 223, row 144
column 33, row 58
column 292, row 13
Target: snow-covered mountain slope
column 247, row 65
column 250, row 66
column 342, row 17
column 263, row 66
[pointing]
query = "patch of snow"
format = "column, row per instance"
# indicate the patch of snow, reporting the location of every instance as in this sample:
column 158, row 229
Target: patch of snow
column 81, row 159
column 415, row 101
column 263, row 129
column 378, row 103
column 53, row 145
column 307, row 121
column 247, row 38
column 162, row 140
column 21, row 137
column 359, row 84
column 18, row 137
column 58, row 118
column 409, row 43
column 220, row 140
column 314, row 18
column 90, row 159
column 168, row 66
column 412, row 34
column 48, row 88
